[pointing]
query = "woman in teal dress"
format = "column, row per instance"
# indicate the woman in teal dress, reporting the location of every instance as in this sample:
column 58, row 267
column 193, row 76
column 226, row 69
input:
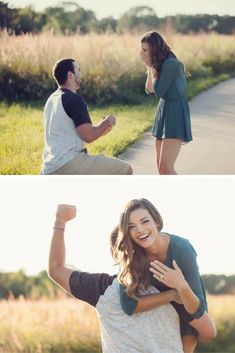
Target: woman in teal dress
column 166, row 78
column 146, row 255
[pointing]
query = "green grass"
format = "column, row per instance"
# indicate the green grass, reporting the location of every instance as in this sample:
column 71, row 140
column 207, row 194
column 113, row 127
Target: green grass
column 21, row 139
column 197, row 85
column 21, row 129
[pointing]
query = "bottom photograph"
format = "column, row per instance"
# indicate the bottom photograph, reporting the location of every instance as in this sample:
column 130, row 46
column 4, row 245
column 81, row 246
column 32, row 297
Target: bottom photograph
column 136, row 264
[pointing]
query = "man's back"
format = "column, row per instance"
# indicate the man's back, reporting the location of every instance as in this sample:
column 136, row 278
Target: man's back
column 63, row 112
column 154, row 331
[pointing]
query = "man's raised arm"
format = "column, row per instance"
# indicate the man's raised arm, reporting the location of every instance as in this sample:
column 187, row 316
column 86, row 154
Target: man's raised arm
column 57, row 269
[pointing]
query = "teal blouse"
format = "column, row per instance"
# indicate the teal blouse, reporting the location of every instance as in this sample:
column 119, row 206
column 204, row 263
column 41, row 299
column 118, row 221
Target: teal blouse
column 183, row 253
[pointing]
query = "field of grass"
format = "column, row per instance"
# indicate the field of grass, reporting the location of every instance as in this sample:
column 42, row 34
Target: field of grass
column 70, row 326
column 113, row 73
column 22, row 134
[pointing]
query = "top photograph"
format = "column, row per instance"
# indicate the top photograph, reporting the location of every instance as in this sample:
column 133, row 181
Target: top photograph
column 104, row 88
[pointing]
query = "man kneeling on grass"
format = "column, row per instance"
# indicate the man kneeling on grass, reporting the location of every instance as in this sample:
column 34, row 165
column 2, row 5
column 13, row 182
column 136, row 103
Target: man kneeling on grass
column 68, row 126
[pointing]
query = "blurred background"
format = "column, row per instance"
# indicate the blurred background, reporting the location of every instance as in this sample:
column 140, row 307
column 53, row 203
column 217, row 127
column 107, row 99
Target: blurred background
column 197, row 208
column 104, row 37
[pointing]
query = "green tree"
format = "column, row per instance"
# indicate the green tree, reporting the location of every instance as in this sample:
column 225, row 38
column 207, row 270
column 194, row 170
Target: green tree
column 69, row 18
column 138, row 18
column 106, row 25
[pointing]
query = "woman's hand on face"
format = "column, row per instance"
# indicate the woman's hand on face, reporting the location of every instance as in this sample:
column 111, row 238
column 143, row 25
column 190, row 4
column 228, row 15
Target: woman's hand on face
column 145, row 58
column 172, row 278
column 65, row 213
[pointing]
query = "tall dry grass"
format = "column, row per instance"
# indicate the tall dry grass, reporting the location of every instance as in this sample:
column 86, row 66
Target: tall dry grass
column 67, row 326
column 61, row 326
column 102, row 53
column 110, row 62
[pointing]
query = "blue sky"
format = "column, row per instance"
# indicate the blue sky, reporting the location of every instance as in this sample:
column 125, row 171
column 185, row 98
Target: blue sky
column 104, row 8
column 198, row 208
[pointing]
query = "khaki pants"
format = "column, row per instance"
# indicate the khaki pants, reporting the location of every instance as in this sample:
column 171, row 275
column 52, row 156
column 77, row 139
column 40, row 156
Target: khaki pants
column 93, row 164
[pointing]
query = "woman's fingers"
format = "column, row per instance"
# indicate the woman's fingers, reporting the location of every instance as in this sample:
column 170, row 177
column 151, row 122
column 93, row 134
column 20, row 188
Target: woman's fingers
column 159, row 265
column 159, row 270
column 158, row 275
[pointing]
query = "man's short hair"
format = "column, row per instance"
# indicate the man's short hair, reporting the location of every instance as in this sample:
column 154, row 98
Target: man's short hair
column 113, row 238
column 61, row 68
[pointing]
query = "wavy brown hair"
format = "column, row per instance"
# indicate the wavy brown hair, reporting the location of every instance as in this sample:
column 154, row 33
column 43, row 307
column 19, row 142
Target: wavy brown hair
column 159, row 50
column 132, row 258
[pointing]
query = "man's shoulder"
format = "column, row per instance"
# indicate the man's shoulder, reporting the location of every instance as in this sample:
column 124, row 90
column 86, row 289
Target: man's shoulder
column 72, row 98
column 89, row 286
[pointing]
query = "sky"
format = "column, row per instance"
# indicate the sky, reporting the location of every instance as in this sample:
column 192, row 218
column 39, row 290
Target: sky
column 105, row 8
column 199, row 208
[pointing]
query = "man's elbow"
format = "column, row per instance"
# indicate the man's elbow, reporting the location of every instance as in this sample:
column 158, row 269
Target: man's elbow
column 87, row 133
column 88, row 138
column 53, row 272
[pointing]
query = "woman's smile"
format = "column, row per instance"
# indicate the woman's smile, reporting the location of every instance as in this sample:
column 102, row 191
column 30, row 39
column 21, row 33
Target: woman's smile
column 142, row 228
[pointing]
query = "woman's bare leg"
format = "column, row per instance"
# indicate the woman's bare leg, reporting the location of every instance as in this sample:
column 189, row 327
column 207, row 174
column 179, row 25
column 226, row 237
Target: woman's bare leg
column 189, row 343
column 170, row 149
column 158, row 147
column 205, row 327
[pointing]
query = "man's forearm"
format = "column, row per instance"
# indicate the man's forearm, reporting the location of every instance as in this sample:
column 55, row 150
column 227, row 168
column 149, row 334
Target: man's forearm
column 100, row 129
column 57, row 249
column 149, row 302
column 56, row 268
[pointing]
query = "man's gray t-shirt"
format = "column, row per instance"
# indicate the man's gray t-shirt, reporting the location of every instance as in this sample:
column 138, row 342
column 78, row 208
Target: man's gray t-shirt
column 153, row 331
column 63, row 113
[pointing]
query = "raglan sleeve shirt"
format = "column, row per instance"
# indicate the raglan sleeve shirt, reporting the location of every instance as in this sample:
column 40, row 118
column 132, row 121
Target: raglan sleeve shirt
column 76, row 108
column 88, row 287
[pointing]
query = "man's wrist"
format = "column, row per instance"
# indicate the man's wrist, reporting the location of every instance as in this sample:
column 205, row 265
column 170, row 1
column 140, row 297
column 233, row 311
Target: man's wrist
column 172, row 294
column 59, row 225
column 107, row 123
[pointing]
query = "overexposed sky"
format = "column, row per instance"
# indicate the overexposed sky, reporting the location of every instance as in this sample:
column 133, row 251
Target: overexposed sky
column 105, row 8
column 198, row 208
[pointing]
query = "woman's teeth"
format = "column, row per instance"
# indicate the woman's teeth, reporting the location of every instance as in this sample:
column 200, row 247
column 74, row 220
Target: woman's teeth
column 144, row 236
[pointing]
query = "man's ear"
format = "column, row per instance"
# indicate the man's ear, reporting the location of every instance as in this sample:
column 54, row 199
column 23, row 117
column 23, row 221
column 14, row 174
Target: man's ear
column 70, row 75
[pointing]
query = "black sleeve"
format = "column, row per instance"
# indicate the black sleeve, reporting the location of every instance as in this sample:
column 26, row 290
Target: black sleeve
column 89, row 286
column 76, row 108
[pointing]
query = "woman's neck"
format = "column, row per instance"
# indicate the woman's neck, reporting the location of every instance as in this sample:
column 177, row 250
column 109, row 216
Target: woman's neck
column 158, row 251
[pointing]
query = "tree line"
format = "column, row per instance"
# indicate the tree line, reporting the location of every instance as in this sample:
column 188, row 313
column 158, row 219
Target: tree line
column 70, row 18
column 16, row 284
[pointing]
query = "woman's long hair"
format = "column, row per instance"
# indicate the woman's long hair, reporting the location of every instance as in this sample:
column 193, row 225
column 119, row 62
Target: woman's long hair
column 132, row 258
column 159, row 50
